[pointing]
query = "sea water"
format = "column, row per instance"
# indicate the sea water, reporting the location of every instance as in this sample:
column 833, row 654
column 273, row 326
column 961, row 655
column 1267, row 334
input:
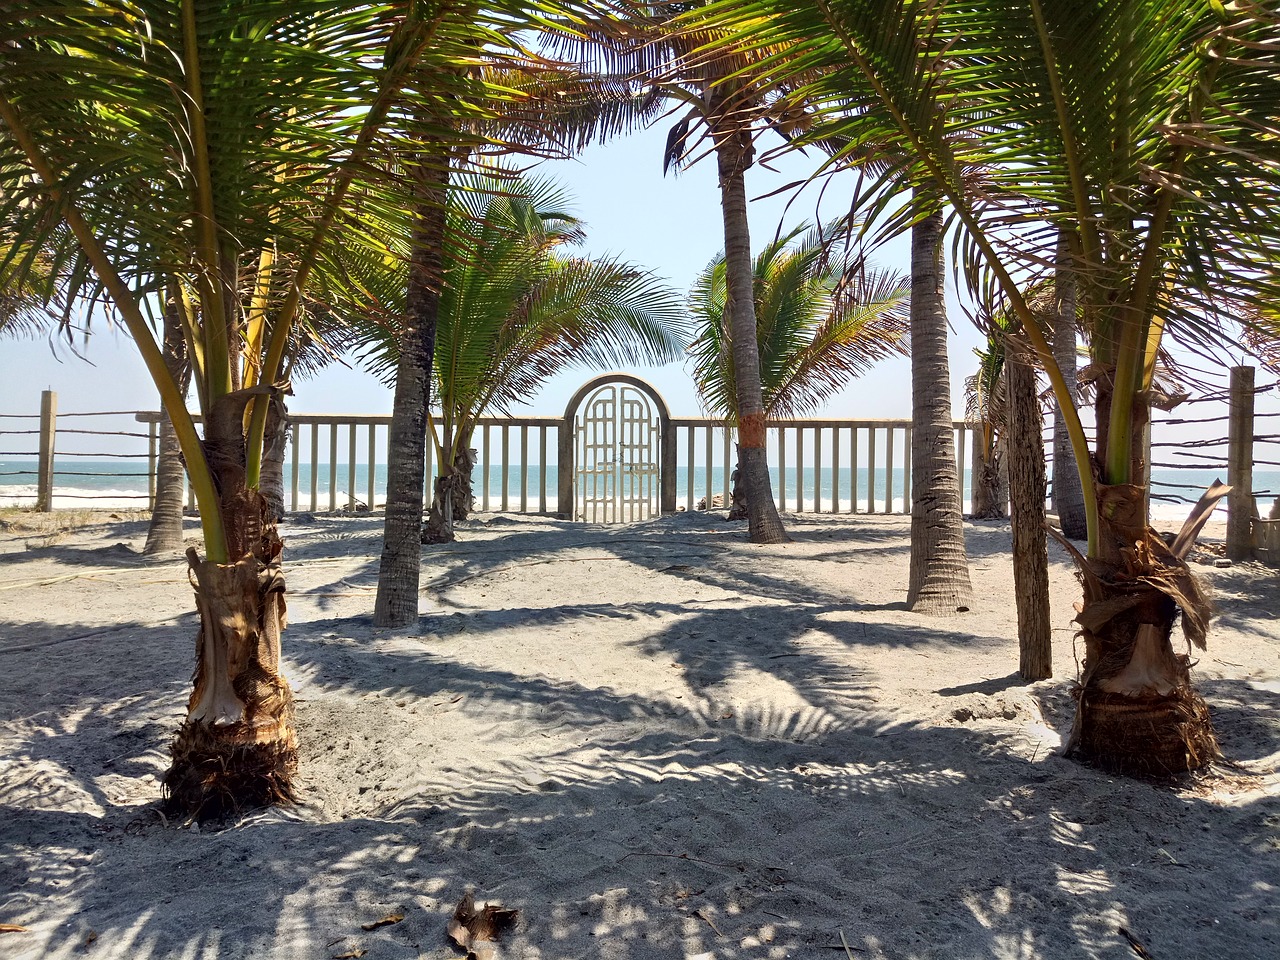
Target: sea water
column 123, row 484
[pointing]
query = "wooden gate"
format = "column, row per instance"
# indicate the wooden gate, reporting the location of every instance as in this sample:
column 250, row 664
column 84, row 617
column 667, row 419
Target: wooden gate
column 617, row 441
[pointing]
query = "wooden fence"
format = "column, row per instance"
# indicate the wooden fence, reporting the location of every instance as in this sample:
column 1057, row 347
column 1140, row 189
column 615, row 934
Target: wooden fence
column 818, row 465
column 812, row 462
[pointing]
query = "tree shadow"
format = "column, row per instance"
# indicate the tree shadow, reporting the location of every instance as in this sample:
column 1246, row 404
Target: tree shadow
column 760, row 803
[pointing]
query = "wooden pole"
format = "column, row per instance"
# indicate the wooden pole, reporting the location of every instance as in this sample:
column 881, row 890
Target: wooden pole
column 1240, row 505
column 48, row 431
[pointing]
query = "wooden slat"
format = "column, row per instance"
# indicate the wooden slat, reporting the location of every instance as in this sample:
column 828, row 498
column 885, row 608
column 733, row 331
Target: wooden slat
column 799, row 469
column 524, row 468
column 484, row 456
column 542, row 469
column 351, row 466
column 315, row 466
column 333, row 467
column 782, row 469
column 373, row 464
column 502, row 465
column 726, row 468
column 293, row 464
column 888, row 472
column 853, row 458
column 709, row 460
column 906, row 471
column 689, row 469
column 835, row 470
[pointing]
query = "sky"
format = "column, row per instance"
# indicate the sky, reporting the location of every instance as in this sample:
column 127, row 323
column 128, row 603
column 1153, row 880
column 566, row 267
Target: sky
column 669, row 224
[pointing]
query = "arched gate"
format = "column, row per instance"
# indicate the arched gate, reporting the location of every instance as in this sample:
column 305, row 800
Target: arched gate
column 616, row 457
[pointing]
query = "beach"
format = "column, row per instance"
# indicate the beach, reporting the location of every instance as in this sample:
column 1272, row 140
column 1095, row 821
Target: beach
column 654, row 740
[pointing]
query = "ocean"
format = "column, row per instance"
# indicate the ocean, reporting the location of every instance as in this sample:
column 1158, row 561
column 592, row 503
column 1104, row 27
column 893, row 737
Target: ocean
column 123, row 484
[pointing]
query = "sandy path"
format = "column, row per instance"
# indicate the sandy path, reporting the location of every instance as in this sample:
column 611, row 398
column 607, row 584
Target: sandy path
column 657, row 741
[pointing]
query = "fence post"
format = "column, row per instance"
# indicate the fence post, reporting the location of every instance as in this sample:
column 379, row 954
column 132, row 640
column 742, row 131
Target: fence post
column 1240, row 506
column 48, row 430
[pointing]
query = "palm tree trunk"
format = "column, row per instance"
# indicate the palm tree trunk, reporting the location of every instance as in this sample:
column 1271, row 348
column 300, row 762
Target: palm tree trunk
column 237, row 746
column 939, row 574
column 1027, row 494
column 988, row 469
column 453, row 500
column 164, row 533
column 1068, row 497
column 733, row 155
column 1138, row 712
column 398, row 572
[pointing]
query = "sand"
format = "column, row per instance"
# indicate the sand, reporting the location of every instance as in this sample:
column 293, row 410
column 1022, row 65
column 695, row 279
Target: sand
column 655, row 741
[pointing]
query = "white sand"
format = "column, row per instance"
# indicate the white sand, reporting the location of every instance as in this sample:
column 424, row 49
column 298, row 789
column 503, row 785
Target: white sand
column 656, row 741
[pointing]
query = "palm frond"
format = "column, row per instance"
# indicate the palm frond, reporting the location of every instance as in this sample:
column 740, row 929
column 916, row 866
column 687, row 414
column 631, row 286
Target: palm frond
column 823, row 319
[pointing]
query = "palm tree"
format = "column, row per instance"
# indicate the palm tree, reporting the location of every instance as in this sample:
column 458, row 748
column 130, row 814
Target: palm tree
column 165, row 530
column 1068, row 494
column 1146, row 133
column 985, row 405
column 520, row 104
column 823, row 319
column 515, row 309
column 211, row 146
column 727, row 101
column 938, row 577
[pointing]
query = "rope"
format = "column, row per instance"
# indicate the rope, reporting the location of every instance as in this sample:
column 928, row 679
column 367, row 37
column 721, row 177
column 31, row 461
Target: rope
column 18, row 473
column 95, row 433
column 1176, row 422
column 105, row 496
column 73, row 473
column 96, row 456
column 102, row 413
column 107, row 433
column 1176, row 486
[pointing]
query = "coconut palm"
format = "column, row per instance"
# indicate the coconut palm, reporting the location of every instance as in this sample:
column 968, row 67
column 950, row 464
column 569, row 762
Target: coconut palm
column 212, row 146
column 514, row 309
column 938, row 576
column 544, row 108
column 725, row 102
column 1147, row 133
column 822, row 319
column 985, row 406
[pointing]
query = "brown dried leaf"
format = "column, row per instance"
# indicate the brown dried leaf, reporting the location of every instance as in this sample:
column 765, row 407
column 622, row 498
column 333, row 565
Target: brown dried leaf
column 386, row 921
column 1099, row 613
column 1186, row 538
column 469, row 928
column 350, row 954
column 12, row 928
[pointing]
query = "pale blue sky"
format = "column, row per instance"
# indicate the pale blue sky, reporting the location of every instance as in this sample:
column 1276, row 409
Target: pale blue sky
column 669, row 224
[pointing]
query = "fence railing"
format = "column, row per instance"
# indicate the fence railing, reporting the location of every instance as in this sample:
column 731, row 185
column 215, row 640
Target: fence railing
column 818, row 465
column 335, row 462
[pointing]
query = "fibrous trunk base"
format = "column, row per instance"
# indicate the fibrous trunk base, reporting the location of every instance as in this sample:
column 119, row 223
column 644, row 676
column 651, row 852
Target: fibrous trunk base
column 217, row 772
column 738, row 495
column 1152, row 736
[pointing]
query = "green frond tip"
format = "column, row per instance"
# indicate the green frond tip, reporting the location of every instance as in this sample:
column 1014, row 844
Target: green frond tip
column 823, row 318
